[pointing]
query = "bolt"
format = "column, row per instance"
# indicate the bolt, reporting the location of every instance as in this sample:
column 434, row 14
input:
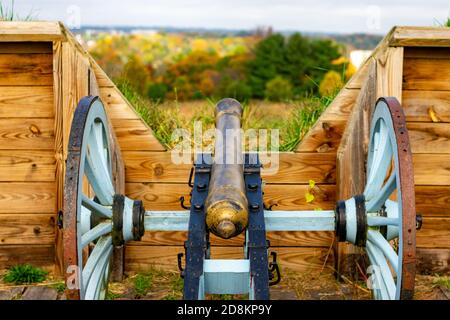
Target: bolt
column 254, row 206
column 253, row 186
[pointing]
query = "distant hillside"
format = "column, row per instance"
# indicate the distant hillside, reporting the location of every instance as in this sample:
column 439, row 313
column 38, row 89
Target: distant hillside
column 352, row 41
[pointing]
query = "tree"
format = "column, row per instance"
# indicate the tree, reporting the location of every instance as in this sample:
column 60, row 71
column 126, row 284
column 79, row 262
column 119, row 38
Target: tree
column 268, row 62
column 331, row 83
column 278, row 89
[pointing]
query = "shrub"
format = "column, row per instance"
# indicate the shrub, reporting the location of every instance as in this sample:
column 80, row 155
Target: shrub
column 330, row 84
column 278, row 89
column 238, row 90
column 157, row 91
column 25, row 273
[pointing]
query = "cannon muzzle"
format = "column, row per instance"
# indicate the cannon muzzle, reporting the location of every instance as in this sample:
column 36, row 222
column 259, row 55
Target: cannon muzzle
column 226, row 204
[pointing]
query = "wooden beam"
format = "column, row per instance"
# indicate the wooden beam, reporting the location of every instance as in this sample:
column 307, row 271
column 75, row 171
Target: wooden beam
column 59, row 148
column 431, row 169
column 166, row 196
column 26, row 69
column 434, row 233
column 293, row 168
column 426, row 74
column 433, row 261
column 140, row 258
column 37, row 255
column 426, row 105
column 351, row 156
column 429, row 137
column 420, row 37
column 26, row 102
column 389, row 73
column 27, row 165
column 30, row 31
column 134, row 134
column 433, row 200
column 20, row 133
column 27, row 197
column 26, row 229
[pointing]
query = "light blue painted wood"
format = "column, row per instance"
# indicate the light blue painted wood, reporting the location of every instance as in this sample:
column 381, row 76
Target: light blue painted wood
column 99, row 230
column 226, row 276
column 96, row 208
column 275, row 220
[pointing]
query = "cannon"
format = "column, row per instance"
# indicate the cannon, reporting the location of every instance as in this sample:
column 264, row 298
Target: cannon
column 227, row 199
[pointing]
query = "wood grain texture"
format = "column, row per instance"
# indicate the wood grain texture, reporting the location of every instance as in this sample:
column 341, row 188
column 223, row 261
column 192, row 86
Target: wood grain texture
column 26, row 102
column 427, row 52
column 431, row 169
column 420, row 37
column 27, row 197
column 389, row 73
column 26, row 229
column 134, row 134
column 27, row 165
column 433, row 261
column 434, row 233
column 429, row 137
column 358, row 78
column 325, row 136
column 26, row 47
column 37, row 255
column 140, row 258
column 116, row 105
column 426, row 74
column 433, row 201
column 26, row 134
column 277, row 239
column 165, row 196
column 341, row 106
column 59, row 149
column 419, row 104
column 291, row 168
column 26, row 69
column 30, row 31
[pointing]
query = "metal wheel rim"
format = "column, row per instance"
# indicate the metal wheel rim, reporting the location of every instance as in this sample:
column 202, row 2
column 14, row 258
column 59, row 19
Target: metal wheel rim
column 389, row 115
column 89, row 131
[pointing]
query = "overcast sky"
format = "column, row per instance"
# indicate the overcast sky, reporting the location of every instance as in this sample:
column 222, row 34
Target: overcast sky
column 302, row 15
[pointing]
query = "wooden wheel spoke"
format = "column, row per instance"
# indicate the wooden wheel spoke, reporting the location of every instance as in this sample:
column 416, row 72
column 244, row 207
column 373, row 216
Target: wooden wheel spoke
column 381, row 243
column 96, row 208
column 97, row 278
column 95, row 233
column 386, row 285
column 100, row 250
column 97, row 173
column 381, row 161
column 375, row 203
column 381, row 221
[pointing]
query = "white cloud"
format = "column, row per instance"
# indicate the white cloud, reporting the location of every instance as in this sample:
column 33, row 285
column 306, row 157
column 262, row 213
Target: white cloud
column 306, row 15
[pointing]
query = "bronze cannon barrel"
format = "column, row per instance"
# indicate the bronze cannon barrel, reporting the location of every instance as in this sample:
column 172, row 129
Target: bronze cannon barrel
column 226, row 204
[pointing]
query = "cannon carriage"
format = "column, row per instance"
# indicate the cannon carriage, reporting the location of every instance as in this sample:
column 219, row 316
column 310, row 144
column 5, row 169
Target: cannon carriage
column 227, row 199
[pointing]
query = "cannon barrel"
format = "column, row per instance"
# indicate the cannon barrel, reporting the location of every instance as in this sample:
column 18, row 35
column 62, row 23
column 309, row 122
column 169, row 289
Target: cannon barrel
column 226, row 204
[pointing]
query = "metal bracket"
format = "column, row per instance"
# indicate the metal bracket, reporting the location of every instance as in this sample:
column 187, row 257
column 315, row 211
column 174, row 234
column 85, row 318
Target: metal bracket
column 257, row 243
column 274, row 270
column 196, row 247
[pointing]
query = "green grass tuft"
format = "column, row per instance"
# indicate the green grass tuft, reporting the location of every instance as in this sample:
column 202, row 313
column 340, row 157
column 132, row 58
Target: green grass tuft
column 59, row 287
column 142, row 284
column 25, row 274
column 442, row 281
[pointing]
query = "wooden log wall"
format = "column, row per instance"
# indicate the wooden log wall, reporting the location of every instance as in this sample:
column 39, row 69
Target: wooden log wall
column 426, row 99
column 27, row 157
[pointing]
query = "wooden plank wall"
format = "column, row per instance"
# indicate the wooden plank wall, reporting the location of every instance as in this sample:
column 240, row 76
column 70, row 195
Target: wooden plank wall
column 426, row 99
column 27, row 160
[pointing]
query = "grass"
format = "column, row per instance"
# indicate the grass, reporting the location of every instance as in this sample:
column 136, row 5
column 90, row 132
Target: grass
column 25, row 274
column 8, row 13
column 59, row 287
column 293, row 120
column 442, row 281
column 142, row 284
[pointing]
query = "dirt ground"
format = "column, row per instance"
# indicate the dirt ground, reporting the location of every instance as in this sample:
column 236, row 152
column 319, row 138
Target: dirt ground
column 167, row 285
